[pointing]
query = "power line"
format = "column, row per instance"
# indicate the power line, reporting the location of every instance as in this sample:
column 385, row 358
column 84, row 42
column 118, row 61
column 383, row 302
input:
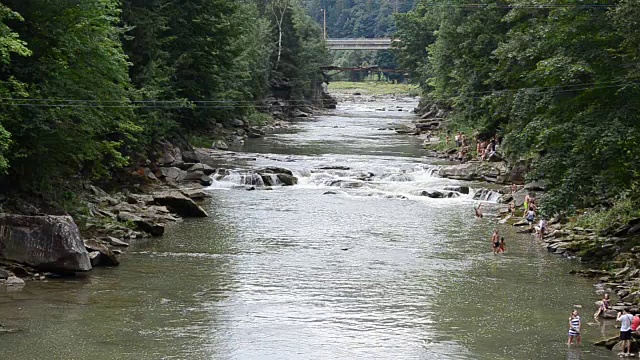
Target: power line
column 168, row 105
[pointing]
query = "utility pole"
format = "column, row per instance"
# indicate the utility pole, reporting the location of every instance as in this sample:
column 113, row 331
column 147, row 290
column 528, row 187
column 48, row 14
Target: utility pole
column 324, row 26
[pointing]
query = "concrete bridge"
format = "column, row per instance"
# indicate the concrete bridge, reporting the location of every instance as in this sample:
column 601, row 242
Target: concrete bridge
column 359, row 44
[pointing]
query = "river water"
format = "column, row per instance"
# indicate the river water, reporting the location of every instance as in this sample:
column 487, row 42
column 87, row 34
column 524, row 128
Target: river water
column 371, row 270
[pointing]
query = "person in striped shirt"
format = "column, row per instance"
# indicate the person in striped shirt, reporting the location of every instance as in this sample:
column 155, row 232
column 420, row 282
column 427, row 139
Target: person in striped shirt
column 574, row 328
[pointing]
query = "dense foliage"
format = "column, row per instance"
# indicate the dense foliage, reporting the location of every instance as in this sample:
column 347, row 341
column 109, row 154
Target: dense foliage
column 88, row 87
column 558, row 80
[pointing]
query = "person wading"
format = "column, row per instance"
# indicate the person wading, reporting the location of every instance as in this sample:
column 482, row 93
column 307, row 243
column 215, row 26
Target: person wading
column 574, row 328
column 479, row 211
column 495, row 241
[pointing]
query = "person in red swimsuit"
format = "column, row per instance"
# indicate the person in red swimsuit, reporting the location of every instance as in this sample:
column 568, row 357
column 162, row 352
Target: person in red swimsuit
column 635, row 323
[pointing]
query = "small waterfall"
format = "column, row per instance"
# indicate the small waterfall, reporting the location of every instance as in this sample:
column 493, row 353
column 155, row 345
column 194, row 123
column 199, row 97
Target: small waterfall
column 486, row 195
column 234, row 178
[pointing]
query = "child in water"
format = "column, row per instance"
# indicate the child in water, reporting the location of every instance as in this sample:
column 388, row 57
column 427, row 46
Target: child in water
column 502, row 247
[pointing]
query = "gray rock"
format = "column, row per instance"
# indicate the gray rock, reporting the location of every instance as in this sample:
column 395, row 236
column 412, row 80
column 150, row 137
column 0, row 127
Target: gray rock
column 205, row 180
column 117, row 242
column 50, row 243
column 347, row 184
column 460, row 189
column 220, row 144
column 438, row 194
column 105, row 256
column 203, row 168
column 173, row 174
column 288, row 180
column 14, row 281
column 179, row 204
column 146, row 225
column 536, row 186
column 195, row 194
column 492, row 172
column 190, row 157
column 4, row 274
column 236, row 123
column 275, row 170
column 171, row 156
column 300, row 114
column 149, row 174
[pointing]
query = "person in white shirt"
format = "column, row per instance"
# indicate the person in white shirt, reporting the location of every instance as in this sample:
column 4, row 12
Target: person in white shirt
column 625, row 331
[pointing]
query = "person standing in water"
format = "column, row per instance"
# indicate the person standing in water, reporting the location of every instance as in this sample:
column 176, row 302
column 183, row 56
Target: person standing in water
column 495, row 241
column 479, row 211
column 503, row 246
column 574, row 328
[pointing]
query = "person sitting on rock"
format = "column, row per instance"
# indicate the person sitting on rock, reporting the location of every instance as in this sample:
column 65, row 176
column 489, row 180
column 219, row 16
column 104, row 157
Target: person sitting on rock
column 514, row 188
column 604, row 306
column 512, row 208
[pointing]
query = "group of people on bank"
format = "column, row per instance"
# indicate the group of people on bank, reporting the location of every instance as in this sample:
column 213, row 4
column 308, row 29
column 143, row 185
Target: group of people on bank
column 485, row 148
column 629, row 325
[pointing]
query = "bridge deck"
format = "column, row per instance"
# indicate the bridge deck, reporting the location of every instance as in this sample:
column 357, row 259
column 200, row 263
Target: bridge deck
column 359, row 44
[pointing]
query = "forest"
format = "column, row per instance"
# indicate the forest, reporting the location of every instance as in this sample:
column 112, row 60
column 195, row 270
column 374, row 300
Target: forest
column 88, row 87
column 558, row 81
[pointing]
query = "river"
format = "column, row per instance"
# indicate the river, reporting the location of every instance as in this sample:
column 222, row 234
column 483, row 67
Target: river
column 371, row 270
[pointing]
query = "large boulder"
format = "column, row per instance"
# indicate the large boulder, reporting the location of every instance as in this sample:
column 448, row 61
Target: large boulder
column 288, row 180
column 49, row 243
column 179, row 204
column 492, row 172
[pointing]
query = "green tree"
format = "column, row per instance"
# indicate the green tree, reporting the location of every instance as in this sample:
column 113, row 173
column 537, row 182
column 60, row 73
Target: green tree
column 77, row 55
column 10, row 44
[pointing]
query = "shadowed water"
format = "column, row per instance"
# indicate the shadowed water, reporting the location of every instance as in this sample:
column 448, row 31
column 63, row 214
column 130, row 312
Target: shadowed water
column 371, row 271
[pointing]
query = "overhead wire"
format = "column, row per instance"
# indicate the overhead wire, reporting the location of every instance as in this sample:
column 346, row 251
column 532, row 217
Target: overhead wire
column 73, row 103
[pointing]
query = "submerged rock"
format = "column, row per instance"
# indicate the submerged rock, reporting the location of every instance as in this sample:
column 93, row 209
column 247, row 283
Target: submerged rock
column 288, row 180
column 460, row 189
column 105, row 256
column 50, row 243
column 220, row 144
column 14, row 281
